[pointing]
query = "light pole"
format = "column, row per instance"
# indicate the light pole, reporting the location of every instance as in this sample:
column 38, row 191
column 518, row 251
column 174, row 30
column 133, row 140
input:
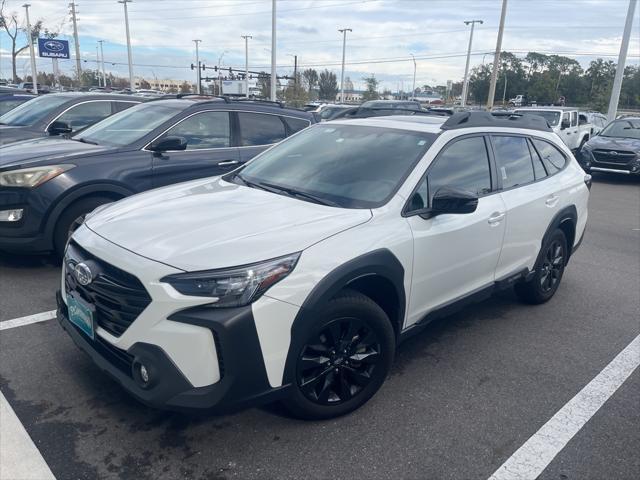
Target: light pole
column 624, row 47
column 199, row 88
column 98, row 65
column 246, row 64
column 220, row 72
column 413, row 89
column 344, row 43
column 274, row 77
column 504, row 92
column 34, row 71
column 104, row 75
column 126, row 24
column 75, row 38
column 496, row 57
column 465, row 84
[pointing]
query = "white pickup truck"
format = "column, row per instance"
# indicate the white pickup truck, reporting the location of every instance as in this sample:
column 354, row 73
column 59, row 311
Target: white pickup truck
column 563, row 121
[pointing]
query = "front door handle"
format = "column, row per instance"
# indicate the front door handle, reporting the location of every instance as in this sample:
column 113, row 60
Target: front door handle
column 496, row 218
column 552, row 200
column 225, row 163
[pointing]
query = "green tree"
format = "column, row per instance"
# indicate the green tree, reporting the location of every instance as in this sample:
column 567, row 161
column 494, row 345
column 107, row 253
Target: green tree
column 327, row 86
column 310, row 77
column 371, row 91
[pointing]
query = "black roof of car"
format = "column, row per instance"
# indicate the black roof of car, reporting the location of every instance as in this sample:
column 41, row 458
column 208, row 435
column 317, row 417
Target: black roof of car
column 96, row 96
column 495, row 119
column 194, row 100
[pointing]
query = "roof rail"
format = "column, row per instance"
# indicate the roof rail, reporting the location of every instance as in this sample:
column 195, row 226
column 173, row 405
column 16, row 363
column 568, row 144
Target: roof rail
column 273, row 102
column 495, row 119
column 185, row 95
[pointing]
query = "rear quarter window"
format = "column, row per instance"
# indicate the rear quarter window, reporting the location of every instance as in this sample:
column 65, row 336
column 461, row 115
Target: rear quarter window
column 295, row 124
column 553, row 159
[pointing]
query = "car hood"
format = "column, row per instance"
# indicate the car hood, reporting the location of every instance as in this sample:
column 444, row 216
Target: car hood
column 54, row 149
column 10, row 134
column 615, row 143
column 212, row 223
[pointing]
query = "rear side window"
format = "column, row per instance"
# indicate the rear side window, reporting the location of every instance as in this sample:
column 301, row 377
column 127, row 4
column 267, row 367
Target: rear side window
column 552, row 158
column 463, row 165
column 538, row 166
column 295, row 124
column 513, row 160
column 260, row 129
column 86, row 114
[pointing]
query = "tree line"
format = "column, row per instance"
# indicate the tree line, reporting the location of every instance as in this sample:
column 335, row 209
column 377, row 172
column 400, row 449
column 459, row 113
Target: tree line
column 546, row 78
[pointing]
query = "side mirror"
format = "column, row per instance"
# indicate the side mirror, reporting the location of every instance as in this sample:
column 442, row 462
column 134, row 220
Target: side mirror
column 565, row 124
column 445, row 200
column 453, row 200
column 168, row 143
column 59, row 128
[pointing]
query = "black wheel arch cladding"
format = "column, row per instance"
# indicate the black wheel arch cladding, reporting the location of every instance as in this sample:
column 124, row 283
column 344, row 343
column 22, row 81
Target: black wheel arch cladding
column 380, row 263
column 565, row 220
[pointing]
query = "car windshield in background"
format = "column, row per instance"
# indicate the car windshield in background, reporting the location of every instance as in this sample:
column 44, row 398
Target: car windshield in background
column 328, row 112
column 33, row 111
column 130, row 125
column 552, row 118
column 622, row 129
column 344, row 165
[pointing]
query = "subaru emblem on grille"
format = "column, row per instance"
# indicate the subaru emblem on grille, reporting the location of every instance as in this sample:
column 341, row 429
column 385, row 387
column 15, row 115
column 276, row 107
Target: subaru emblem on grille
column 83, row 274
column 613, row 153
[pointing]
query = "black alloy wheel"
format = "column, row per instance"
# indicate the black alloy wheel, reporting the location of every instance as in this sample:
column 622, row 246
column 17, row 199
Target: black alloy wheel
column 549, row 269
column 552, row 266
column 339, row 362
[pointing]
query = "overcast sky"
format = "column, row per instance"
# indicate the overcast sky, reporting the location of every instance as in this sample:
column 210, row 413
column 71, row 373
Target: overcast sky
column 385, row 33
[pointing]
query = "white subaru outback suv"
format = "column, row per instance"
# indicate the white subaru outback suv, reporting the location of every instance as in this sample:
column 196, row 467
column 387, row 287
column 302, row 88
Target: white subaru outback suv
column 296, row 276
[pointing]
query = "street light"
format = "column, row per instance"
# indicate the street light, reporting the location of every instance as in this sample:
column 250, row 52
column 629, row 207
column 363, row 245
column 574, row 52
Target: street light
column 344, row 42
column 413, row 90
column 199, row 88
column 246, row 64
column 34, row 71
column 219, row 72
column 104, row 75
column 126, row 24
column 465, row 84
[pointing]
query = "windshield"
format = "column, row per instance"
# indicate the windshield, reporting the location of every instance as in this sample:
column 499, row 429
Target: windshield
column 329, row 112
column 33, row 111
column 343, row 165
column 552, row 117
column 130, row 125
column 623, row 129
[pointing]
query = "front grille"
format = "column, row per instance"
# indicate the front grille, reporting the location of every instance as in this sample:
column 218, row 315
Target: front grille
column 614, row 157
column 118, row 297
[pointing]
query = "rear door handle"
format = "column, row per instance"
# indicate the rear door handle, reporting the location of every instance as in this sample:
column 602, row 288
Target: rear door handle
column 225, row 163
column 552, row 200
column 495, row 219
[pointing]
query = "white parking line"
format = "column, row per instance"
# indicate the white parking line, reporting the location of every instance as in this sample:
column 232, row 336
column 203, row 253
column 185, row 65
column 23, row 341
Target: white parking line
column 530, row 460
column 19, row 457
column 19, row 322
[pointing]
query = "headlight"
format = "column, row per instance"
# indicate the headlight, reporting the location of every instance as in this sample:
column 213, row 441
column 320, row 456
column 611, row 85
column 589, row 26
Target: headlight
column 31, row 177
column 234, row 287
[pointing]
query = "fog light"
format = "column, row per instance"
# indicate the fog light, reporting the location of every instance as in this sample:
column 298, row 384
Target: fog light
column 144, row 375
column 14, row 215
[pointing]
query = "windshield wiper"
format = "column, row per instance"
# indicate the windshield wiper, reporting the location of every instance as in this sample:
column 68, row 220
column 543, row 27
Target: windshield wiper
column 297, row 193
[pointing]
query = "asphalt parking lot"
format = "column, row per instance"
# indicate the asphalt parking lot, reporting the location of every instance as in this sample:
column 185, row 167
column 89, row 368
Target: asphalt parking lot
column 463, row 396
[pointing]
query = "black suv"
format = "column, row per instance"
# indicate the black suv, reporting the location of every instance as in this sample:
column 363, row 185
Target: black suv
column 616, row 149
column 48, row 185
column 60, row 113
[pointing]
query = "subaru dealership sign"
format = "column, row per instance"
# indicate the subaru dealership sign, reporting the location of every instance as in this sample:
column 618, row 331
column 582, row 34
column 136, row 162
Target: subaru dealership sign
column 51, row 48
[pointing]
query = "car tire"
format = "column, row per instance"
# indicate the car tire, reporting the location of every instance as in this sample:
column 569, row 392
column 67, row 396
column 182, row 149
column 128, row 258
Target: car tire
column 72, row 218
column 345, row 358
column 548, row 271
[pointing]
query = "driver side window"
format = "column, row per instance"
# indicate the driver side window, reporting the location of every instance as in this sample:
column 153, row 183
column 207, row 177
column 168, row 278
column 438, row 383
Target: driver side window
column 203, row 130
column 463, row 165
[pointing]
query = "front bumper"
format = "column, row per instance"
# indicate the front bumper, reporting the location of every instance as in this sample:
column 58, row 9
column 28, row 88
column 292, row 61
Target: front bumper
column 590, row 164
column 243, row 381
